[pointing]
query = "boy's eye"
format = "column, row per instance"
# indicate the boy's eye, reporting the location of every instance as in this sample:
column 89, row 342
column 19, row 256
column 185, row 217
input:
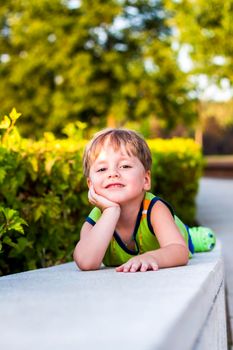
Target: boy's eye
column 100, row 170
column 126, row 166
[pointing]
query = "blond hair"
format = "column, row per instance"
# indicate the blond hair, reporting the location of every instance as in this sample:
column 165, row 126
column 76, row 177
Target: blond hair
column 133, row 142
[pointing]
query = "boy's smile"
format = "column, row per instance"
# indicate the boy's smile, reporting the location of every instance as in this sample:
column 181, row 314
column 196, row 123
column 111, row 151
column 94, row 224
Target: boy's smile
column 118, row 175
column 114, row 185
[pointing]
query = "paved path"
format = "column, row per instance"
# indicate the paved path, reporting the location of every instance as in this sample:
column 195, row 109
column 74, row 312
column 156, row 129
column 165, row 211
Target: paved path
column 215, row 209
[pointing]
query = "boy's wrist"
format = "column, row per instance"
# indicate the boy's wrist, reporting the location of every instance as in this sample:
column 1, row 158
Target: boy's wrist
column 113, row 209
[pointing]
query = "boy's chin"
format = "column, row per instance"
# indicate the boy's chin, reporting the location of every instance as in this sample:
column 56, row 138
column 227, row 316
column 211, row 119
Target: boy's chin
column 113, row 197
column 121, row 198
column 109, row 196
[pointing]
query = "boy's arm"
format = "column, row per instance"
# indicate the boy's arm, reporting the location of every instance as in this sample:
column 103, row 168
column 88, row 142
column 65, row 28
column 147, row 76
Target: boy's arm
column 94, row 240
column 173, row 250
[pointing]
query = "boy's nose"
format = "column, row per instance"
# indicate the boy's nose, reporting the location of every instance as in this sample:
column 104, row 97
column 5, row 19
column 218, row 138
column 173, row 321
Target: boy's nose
column 113, row 173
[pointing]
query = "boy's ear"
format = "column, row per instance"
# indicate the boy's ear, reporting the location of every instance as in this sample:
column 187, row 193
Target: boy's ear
column 147, row 180
column 88, row 182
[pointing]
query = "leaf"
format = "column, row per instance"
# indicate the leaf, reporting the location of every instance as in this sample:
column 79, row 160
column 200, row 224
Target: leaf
column 2, row 175
column 9, row 213
column 7, row 240
column 39, row 211
column 14, row 115
column 81, row 125
column 12, row 221
column 49, row 163
column 49, row 136
column 22, row 221
column 34, row 163
column 5, row 123
column 22, row 244
column 3, row 230
column 16, row 227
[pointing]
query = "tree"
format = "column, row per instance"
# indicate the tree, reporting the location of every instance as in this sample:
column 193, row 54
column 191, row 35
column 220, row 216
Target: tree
column 206, row 28
column 95, row 61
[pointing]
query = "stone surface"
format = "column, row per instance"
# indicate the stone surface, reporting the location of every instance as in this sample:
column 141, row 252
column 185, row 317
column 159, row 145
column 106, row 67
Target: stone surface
column 212, row 336
column 215, row 209
column 177, row 308
column 63, row 308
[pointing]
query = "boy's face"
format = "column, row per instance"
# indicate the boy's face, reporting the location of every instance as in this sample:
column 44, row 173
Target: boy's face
column 118, row 176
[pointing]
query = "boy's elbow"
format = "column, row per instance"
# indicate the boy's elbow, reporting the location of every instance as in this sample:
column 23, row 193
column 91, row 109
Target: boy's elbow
column 83, row 264
column 180, row 254
column 185, row 260
column 185, row 256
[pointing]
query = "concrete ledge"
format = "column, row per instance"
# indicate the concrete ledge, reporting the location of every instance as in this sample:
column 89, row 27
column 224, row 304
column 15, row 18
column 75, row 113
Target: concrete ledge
column 63, row 308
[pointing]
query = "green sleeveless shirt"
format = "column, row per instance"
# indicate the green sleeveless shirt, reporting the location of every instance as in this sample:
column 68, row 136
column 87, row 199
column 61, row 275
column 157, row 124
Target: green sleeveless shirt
column 144, row 236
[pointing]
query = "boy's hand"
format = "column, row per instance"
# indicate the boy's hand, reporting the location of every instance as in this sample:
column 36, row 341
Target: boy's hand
column 143, row 262
column 100, row 201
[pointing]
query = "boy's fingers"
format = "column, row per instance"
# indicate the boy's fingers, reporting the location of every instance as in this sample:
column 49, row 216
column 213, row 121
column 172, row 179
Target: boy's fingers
column 90, row 196
column 154, row 266
column 120, row 268
column 134, row 267
column 126, row 268
column 144, row 267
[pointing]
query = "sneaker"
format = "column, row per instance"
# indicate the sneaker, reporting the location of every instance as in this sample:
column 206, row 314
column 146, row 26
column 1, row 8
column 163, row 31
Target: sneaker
column 203, row 238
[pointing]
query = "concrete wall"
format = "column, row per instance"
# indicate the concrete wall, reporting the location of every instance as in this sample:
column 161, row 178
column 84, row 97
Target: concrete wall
column 63, row 308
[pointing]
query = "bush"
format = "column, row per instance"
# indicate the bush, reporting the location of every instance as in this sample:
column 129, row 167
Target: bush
column 176, row 170
column 43, row 182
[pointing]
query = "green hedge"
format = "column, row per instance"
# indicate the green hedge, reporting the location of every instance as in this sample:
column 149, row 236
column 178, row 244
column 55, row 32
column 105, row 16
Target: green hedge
column 176, row 170
column 43, row 182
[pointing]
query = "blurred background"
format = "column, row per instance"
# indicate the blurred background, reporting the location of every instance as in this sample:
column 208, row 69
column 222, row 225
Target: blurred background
column 161, row 67
column 72, row 67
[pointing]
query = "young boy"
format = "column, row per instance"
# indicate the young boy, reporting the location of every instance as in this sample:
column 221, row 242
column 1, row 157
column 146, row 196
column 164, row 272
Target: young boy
column 129, row 227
